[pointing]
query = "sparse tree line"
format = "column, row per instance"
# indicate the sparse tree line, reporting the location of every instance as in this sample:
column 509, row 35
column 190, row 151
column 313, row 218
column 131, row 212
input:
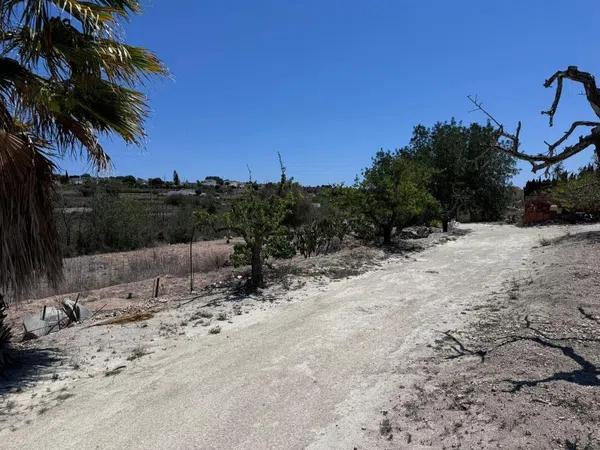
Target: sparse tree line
column 446, row 170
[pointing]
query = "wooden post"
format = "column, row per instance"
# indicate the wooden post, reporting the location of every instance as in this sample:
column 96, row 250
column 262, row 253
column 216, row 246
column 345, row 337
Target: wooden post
column 156, row 286
column 192, row 262
column 44, row 313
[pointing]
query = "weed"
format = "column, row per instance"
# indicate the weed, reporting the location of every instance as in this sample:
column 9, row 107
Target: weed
column 215, row 330
column 385, row 427
column 202, row 314
column 136, row 353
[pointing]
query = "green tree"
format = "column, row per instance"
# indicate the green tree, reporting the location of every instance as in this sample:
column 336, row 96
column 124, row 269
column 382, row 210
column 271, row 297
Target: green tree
column 469, row 176
column 392, row 194
column 578, row 194
column 176, row 181
column 257, row 216
column 65, row 78
column 156, row 182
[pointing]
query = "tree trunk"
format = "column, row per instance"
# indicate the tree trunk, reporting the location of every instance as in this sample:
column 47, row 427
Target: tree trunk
column 256, row 278
column 387, row 235
column 445, row 224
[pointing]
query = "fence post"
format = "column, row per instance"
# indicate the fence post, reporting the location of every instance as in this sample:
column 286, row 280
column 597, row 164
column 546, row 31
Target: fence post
column 192, row 261
column 156, row 286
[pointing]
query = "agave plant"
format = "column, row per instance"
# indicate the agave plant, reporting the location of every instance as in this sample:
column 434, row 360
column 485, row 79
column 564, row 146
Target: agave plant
column 66, row 79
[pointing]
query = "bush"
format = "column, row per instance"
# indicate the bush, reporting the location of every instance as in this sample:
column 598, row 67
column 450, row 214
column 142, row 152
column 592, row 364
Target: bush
column 241, row 255
column 280, row 246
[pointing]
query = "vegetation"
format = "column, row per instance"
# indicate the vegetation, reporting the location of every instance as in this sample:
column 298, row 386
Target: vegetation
column 257, row 216
column 392, row 194
column 573, row 192
column 5, row 334
column 65, row 78
column 469, row 179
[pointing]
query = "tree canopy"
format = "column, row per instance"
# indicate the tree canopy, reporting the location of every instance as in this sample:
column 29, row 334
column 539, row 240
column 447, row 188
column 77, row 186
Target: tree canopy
column 393, row 193
column 469, row 176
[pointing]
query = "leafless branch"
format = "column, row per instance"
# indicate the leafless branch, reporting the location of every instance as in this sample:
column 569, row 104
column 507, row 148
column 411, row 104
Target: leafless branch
column 509, row 143
column 574, row 74
column 580, row 123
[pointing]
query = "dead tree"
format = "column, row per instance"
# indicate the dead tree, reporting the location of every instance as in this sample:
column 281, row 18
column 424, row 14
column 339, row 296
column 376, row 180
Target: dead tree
column 510, row 143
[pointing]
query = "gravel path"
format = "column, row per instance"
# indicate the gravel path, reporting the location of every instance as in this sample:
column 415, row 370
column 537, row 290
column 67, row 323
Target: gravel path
column 315, row 373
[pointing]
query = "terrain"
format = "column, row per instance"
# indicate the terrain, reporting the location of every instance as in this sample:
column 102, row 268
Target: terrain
column 366, row 361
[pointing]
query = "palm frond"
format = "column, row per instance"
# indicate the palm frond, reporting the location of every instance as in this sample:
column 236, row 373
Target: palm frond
column 65, row 79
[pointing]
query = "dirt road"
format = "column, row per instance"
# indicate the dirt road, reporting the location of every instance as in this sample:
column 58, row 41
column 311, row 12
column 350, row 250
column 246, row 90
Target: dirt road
column 311, row 374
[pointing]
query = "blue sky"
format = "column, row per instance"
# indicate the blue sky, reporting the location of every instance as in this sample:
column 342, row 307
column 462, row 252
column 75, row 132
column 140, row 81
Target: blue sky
column 327, row 83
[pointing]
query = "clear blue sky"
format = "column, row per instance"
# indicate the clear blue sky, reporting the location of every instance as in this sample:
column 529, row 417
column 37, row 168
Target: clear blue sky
column 327, row 83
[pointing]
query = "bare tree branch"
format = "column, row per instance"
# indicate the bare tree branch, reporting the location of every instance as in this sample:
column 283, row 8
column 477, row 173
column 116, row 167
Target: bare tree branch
column 580, row 123
column 573, row 73
column 510, row 143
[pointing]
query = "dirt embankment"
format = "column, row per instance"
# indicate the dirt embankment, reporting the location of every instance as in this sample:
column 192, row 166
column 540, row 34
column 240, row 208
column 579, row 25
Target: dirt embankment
column 523, row 373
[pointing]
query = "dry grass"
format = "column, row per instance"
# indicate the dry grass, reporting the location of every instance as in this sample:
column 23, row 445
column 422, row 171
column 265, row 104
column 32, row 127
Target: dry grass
column 129, row 318
column 85, row 273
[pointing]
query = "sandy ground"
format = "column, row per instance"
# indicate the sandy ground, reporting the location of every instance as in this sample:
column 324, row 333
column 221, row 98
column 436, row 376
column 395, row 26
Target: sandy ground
column 523, row 374
column 323, row 369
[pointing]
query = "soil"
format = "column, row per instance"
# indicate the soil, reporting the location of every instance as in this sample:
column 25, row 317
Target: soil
column 339, row 359
column 523, row 374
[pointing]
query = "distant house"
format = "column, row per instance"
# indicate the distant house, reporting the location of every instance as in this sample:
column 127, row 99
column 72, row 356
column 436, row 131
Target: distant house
column 81, row 179
column 209, row 182
column 76, row 179
column 235, row 184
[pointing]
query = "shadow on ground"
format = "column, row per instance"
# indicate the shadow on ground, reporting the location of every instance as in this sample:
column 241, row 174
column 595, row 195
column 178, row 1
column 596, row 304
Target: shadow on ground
column 587, row 375
column 585, row 237
column 26, row 368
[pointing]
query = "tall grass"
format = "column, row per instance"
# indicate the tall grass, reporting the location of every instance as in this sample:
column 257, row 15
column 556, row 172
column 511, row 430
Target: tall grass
column 85, row 273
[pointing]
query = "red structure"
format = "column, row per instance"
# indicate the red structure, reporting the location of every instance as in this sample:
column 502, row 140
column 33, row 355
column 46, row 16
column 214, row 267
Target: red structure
column 538, row 209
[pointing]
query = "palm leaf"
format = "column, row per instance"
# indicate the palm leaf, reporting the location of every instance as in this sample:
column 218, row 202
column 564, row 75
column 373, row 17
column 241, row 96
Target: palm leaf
column 65, row 79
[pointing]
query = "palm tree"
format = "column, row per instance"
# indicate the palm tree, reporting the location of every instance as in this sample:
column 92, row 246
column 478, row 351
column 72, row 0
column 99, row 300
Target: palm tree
column 66, row 78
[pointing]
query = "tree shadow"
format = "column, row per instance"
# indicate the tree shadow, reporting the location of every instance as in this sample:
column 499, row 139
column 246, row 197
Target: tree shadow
column 27, row 367
column 587, row 375
column 584, row 237
column 413, row 245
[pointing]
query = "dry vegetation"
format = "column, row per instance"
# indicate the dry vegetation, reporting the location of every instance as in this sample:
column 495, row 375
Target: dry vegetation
column 86, row 273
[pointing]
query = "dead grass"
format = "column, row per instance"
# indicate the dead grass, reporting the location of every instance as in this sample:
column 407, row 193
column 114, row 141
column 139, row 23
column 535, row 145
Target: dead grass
column 86, row 273
column 129, row 318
